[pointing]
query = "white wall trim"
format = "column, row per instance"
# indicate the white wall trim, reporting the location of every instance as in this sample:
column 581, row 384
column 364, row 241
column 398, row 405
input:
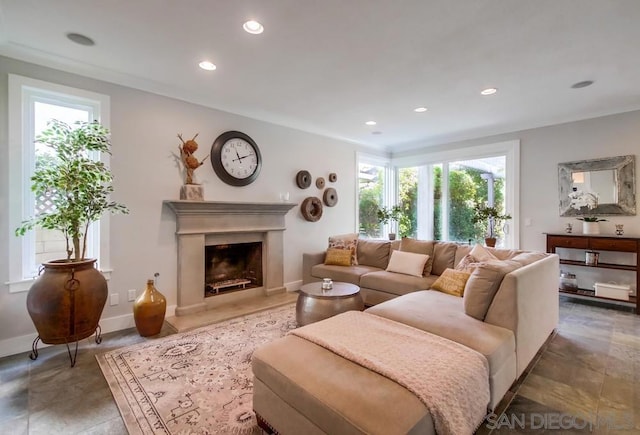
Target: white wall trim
column 15, row 345
column 293, row 285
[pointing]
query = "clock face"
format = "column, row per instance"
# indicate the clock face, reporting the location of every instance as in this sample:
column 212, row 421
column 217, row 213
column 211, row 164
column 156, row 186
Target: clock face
column 239, row 158
column 235, row 158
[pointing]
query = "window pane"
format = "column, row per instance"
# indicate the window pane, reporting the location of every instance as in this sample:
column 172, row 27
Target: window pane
column 50, row 244
column 436, row 182
column 479, row 181
column 370, row 197
column 408, row 201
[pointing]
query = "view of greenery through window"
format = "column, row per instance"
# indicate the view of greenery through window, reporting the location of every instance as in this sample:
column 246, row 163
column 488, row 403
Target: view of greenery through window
column 468, row 185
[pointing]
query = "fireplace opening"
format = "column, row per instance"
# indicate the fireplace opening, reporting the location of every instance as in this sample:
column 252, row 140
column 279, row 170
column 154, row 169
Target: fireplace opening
column 232, row 267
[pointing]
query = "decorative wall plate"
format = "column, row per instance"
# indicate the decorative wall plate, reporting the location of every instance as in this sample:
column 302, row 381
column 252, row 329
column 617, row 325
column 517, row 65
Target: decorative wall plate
column 320, row 183
column 311, row 209
column 330, row 197
column 303, row 179
column 333, row 177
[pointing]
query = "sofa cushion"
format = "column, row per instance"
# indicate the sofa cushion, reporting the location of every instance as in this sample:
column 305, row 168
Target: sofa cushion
column 451, row 282
column 338, row 257
column 373, row 252
column 346, row 241
column 349, row 274
column 483, row 285
column 526, row 258
column 395, row 283
column 408, row 244
column 481, row 253
column 407, row 263
column 443, row 315
column 444, row 254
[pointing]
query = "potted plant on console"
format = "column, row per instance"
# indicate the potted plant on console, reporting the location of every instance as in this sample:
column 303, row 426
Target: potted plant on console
column 490, row 218
column 390, row 215
column 586, row 200
column 66, row 301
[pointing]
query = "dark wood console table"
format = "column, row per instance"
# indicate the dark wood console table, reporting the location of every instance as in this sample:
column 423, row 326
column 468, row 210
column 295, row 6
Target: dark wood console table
column 599, row 243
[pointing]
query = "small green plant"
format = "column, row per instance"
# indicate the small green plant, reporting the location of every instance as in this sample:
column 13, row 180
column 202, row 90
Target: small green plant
column 389, row 214
column 489, row 217
column 77, row 186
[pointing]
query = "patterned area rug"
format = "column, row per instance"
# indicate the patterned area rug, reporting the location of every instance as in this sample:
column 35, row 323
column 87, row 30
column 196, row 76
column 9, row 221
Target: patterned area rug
column 197, row 382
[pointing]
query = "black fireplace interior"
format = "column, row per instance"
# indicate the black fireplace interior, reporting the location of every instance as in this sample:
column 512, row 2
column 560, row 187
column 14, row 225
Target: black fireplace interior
column 232, row 267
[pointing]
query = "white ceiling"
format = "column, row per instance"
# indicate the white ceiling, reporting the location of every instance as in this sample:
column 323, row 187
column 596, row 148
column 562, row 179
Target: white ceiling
column 327, row 66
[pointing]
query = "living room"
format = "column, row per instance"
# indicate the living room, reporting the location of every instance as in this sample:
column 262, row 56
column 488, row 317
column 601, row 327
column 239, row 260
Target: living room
column 145, row 117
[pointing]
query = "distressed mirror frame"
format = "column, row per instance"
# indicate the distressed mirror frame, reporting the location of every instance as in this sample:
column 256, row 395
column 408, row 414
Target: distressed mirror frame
column 625, row 170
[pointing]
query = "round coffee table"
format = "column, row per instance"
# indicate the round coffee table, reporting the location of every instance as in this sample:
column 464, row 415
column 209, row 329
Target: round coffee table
column 315, row 304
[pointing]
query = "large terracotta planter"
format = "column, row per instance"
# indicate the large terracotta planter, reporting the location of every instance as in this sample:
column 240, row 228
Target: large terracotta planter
column 66, row 302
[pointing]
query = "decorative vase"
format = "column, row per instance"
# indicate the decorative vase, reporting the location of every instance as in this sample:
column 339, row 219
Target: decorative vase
column 65, row 303
column 590, row 228
column 490, row 242
column 149, row 310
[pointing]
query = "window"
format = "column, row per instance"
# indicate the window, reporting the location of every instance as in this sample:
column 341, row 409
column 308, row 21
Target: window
column 438, row 195
column 374, row 182
column 32, row 103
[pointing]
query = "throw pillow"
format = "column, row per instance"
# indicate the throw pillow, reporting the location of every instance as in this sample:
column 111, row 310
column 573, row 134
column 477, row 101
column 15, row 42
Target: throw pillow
column 467, row 264
column 451, row 282
column 337, row 257
column 346, row 241
column 483, row 284
column 480, row 253
column 419, row 247
column 407, row 263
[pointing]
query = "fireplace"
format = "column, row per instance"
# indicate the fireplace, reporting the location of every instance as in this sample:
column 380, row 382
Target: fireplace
column 232, row 267
column 200, row 224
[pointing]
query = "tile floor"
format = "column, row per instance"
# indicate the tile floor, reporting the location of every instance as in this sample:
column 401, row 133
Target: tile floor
column 591, row 368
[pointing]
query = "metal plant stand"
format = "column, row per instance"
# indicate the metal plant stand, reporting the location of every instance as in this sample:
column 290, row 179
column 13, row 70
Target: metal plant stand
column 72, row 358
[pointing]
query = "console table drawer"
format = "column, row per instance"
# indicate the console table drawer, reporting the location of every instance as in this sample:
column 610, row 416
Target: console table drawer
column 568, row 242
column 614, row 245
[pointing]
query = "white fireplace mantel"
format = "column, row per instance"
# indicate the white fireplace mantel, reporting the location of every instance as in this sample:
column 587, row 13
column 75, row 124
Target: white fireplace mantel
column 196, row 221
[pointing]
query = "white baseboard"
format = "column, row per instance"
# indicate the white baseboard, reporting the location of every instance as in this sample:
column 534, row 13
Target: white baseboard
column 14, row 345
column 293, row 285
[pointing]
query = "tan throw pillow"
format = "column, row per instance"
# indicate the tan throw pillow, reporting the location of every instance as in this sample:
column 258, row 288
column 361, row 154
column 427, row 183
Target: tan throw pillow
column 451, row 282
column 483, row 285
column 337, row 257
column 419, row 247
column 346, row 241
column 467, row 264
column 480, row 253
column 407, row 263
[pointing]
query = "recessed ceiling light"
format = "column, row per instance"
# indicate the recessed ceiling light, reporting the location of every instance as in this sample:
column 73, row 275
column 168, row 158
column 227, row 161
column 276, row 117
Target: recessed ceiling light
column 420, row 109
column 206, row 65
column 371, row 123
column 80, row 39
column 489, row 91
column 376, row 132
column 582, row 84
column 253, row 27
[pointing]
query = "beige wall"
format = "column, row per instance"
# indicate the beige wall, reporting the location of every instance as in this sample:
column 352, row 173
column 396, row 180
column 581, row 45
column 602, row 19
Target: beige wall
column 144, row 128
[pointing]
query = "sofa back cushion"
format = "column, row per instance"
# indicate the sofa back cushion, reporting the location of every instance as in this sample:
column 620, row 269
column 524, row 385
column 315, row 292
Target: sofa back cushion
column 374, row 252
column 483, row 285
column 444, row 254
column 419, row 247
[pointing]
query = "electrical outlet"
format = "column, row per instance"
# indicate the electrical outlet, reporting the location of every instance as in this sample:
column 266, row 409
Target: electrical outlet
column 132, row 295
column 115, row 299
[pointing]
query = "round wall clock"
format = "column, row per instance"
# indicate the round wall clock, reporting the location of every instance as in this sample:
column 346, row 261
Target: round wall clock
column 236, row 158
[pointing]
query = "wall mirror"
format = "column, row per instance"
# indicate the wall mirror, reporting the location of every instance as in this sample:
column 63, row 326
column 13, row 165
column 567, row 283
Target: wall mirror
column 612, row 180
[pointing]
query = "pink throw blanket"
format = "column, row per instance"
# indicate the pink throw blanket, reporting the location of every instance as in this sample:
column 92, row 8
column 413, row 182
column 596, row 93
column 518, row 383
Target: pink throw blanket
column 452, row 380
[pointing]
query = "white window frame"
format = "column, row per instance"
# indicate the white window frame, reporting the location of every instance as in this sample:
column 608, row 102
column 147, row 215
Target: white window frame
column 389, row 195
column 23, row 92
column 510, row 149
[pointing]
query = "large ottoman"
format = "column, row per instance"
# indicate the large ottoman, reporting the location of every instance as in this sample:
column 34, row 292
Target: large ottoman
column 314, row 391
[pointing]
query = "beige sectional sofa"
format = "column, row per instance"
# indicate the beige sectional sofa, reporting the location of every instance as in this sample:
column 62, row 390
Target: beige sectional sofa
column 301, row 387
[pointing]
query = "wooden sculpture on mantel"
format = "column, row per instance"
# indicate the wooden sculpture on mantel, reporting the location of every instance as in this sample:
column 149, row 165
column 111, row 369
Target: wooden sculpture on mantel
column 190, row 190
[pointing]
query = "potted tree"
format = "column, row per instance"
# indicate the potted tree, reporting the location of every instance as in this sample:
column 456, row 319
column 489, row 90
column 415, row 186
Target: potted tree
column 388, row 215
column 490, row 218
column 66, row 301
